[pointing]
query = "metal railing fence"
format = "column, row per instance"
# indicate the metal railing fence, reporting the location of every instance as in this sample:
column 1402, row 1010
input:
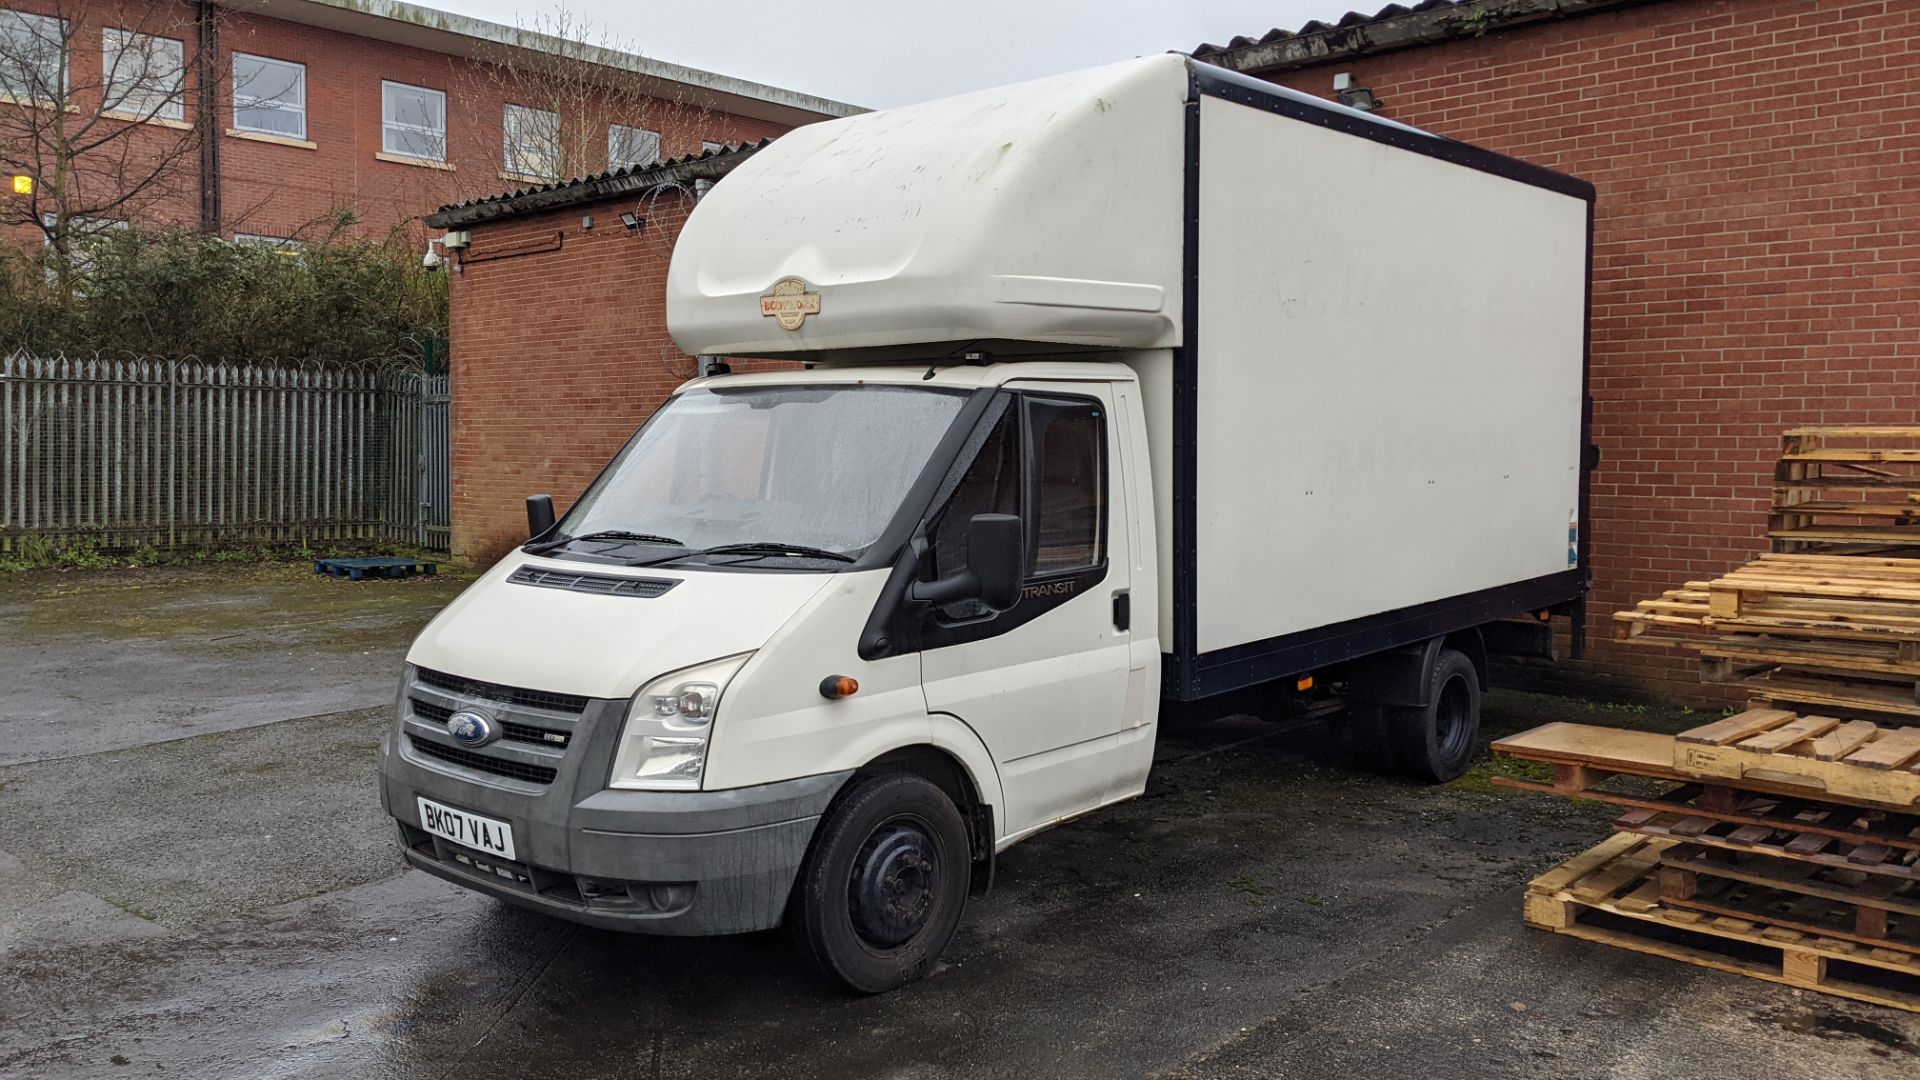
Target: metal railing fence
column 177, row 453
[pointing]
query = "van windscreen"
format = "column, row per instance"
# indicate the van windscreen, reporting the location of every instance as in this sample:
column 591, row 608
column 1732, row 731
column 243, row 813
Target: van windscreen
column 822, row 467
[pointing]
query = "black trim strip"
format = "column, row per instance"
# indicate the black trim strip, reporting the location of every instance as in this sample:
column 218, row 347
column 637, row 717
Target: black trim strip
column 1245, row 90
column 1577, row 640
column 1177, row 676
column 1225, row 670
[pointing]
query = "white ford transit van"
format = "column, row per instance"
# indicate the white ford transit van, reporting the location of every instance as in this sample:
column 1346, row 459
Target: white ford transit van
column 1140, row 384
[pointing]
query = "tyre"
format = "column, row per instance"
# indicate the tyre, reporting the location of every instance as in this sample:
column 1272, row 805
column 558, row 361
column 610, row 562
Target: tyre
column 1436, row 742
column 883, row 886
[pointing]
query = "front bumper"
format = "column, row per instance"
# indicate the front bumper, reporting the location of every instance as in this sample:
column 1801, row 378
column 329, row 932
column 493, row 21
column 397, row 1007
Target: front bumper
column 656, row 862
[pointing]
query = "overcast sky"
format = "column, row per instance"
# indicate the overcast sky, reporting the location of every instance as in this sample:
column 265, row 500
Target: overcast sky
column 878, row 53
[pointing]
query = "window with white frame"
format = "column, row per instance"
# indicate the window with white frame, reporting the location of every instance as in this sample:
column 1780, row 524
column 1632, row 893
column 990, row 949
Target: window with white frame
column 86, row 236
column 269, row 96
column 532, row 141
column 710, row 147
column 413, row 121
column 143, row 75
column 33, row 57
column 631, row 146
column 280, row 244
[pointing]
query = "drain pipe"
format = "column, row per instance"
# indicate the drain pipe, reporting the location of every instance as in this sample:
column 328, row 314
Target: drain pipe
column 206, row 21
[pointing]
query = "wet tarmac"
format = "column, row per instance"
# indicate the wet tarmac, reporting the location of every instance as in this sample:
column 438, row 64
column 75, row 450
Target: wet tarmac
column 229, row 904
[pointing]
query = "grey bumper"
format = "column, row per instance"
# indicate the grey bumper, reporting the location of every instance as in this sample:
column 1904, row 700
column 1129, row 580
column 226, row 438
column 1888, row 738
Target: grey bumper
column 682, row 863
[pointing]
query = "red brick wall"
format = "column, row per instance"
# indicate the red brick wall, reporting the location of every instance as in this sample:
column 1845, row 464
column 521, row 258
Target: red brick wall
column 557, row 357
column 274, row 189
column 290, row 186
column 559, row 354
column 1757, row 262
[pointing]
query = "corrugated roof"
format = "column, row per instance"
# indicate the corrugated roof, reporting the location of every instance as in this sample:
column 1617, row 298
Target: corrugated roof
column 706, row 165
column 1317, row 26
column 1396, row 26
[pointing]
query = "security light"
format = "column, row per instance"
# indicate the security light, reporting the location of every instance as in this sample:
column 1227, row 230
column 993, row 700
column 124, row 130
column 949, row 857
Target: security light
column 632, row 220
column 1359, row 97
column 1352, row 94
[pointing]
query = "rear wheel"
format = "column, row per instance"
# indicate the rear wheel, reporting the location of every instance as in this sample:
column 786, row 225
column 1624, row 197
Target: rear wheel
column 1436, row 742
column 882, row 889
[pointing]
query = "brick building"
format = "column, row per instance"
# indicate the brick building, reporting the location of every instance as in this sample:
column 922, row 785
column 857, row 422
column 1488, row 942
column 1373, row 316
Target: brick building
column 559, row 336
column 286, row 111
column 1757, row 259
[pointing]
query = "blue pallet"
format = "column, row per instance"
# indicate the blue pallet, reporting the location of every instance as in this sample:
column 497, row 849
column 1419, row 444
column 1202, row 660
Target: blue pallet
column 383, row 567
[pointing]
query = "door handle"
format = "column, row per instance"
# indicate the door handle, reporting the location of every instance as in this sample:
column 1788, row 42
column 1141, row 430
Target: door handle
column 1122, row 610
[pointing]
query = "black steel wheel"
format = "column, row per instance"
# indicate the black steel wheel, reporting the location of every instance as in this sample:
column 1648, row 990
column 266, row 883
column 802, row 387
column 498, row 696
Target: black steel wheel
column 1436, row 742
column 883, row 885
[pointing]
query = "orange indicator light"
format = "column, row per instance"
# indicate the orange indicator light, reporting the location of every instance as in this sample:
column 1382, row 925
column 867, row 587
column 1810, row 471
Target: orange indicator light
column 839, row 686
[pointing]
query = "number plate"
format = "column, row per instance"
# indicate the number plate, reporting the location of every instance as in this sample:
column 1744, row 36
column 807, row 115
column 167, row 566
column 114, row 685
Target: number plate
column 467, row 830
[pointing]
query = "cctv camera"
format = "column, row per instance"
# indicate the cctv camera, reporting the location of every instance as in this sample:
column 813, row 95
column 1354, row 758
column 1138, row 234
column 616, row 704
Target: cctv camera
column 432, row 260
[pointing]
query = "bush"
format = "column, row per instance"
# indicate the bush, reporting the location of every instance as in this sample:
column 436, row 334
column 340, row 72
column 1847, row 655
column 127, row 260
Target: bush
column 175, row 293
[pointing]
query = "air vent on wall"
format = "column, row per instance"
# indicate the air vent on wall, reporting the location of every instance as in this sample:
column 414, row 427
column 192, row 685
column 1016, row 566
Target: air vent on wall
column 603, row 584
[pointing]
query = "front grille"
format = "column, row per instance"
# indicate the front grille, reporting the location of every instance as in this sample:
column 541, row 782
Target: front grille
column 510, row 731
column 535, row 774
column 603, row 584
column 509, row 695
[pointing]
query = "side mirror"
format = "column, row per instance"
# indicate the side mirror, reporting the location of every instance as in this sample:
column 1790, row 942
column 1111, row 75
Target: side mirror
column 539, row 515
column 996, row 565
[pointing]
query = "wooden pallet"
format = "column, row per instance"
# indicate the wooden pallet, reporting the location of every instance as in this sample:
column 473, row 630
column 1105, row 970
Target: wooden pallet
column 1811, row 849
column 1843, row 901
column 1836, row 631
column 1850, row 759
column 1854, row 699
column 1611, row 894
column 1846, row 487
column 1588, row 752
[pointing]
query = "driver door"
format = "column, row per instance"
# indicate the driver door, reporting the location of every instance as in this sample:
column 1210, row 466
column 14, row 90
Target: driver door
column 1044, row 683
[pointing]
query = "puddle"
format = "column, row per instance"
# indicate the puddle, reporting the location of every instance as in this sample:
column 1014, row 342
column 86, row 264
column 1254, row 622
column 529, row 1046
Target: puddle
column 1822, row 1024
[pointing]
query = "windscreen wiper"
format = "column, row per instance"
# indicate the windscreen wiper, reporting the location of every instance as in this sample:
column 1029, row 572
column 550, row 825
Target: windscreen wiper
column 603, row 534
column 758, row 548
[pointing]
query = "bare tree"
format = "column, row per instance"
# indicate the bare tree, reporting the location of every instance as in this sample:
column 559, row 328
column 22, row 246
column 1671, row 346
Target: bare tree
column 577, row 102
column 93, row 113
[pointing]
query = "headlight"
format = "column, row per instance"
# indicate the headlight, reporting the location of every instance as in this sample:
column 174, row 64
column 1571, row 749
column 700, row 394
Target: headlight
column 664, row 742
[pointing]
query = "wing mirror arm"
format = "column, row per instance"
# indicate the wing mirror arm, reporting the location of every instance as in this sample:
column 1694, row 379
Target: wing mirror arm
column 996, row 566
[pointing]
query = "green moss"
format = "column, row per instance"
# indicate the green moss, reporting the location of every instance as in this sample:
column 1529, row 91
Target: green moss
column 1251, row 887
column 1480, row 776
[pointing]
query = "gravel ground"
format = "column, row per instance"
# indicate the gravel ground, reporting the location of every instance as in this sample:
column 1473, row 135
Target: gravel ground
column 225, row 901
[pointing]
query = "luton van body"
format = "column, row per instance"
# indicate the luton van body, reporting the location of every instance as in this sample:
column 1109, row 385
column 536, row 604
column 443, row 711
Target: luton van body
column 1140, row 385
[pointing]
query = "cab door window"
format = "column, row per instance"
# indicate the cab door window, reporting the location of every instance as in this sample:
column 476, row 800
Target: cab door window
column 1068, row 531
column 1043, row 459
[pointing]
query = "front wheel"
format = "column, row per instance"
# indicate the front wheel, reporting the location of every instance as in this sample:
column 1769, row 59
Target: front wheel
column 882, row 889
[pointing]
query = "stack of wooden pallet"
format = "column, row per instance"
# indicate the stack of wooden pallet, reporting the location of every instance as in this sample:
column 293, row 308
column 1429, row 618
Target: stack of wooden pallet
column 1844, row 487
column 1833, row 631
column 1830, row 618
column 1782, row 847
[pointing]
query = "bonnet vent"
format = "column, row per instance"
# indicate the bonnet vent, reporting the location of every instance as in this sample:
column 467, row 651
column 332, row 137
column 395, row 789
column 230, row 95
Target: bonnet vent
column 603, row 584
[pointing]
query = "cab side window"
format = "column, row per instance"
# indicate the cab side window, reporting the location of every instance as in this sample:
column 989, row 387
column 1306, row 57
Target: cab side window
column 1070, row 447
column 991, row 485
